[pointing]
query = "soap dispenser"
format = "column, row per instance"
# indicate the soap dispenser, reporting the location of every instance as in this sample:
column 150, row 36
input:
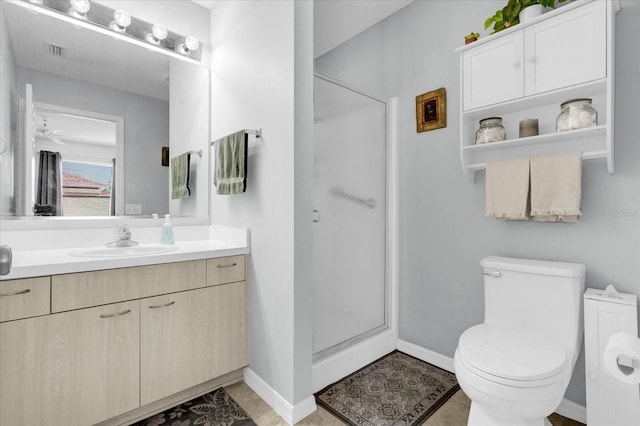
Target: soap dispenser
column 167, row 231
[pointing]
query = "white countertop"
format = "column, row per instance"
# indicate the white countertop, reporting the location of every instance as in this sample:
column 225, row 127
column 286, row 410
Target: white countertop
column 35, row 263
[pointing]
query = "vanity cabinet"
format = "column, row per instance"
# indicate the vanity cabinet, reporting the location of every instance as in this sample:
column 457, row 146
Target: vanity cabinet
column 73, row 368
column 527, row 71
column 201, row 331
column 120, row 339
column 24, row 298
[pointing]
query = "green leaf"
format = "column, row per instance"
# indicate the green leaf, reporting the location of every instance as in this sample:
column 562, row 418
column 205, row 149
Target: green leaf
column 488, row 22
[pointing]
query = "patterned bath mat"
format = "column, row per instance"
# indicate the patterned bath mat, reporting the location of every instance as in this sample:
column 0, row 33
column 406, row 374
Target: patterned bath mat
column 216, row 408
column 397, row 389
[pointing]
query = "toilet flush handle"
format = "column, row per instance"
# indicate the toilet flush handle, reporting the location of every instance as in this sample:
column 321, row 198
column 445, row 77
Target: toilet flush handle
column 495, row 274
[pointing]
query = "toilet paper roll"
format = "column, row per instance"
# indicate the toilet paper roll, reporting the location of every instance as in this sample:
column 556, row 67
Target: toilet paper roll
column 627, row 348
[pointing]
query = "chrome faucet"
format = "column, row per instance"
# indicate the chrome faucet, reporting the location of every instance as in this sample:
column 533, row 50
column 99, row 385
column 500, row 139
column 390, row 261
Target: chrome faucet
column 124, row 238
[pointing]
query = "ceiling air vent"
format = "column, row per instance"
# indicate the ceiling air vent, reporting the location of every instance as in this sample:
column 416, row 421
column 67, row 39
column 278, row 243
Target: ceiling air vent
column 54, row 49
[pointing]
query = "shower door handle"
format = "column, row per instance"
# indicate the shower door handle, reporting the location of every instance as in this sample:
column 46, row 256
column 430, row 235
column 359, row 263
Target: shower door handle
column 316, row 215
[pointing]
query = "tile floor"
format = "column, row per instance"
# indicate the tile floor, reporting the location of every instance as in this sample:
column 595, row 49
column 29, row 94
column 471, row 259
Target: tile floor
column 453, row 413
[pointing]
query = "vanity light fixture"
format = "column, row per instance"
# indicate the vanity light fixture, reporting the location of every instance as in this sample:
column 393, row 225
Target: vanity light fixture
column 39, row 2
column 157, row 34
column 121, row 20
column 189, row 44
column 79, row 8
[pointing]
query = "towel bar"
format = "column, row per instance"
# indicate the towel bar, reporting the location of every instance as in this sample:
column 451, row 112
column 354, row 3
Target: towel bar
column 256, row 132
column 196, row 152
column 591, row 155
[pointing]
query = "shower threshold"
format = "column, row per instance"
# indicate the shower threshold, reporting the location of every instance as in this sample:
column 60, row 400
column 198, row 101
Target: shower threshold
column 326, row 353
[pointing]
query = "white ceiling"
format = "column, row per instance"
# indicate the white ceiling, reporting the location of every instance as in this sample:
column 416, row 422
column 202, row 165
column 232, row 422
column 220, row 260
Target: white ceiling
column 206, row 3
column 336, row 21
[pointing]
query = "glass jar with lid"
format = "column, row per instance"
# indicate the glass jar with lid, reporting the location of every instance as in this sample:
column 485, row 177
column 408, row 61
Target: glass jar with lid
column 576, row 114
column 491, row 130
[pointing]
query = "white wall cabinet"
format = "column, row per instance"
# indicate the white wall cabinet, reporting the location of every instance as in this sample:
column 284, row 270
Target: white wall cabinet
column 90, row 364
column 493, row 72
column 527, row 71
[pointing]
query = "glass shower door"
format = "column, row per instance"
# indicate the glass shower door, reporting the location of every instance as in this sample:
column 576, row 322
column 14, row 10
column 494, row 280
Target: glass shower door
column 350, row 291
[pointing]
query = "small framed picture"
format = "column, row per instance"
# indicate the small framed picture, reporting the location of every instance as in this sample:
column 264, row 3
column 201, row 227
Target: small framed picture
column 165, row 156
column 431, row 110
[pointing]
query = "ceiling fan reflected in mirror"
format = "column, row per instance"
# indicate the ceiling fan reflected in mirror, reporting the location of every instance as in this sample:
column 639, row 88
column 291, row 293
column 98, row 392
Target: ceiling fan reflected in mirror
column 47, row 133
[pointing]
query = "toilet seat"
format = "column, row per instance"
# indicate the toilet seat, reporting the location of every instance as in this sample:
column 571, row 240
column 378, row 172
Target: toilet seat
column 510, row 356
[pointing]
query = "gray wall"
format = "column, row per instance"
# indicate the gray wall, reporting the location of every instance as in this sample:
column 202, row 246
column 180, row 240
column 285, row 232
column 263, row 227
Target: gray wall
column 443, row 230
column 146, row 130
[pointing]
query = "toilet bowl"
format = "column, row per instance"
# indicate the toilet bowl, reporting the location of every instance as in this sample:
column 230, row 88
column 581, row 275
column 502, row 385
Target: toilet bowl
column 515, row 367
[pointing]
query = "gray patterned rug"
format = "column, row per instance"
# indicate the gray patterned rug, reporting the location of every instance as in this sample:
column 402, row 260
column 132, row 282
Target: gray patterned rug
column 216, row 408
column 397, row 389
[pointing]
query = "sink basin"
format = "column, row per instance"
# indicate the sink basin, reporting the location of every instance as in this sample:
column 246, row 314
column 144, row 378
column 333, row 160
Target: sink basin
column 144, row 250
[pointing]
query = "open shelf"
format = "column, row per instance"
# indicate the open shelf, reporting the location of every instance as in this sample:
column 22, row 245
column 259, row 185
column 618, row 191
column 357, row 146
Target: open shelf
column 596, row 131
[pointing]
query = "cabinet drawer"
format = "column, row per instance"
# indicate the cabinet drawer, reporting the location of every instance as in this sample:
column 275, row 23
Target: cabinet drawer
column 24, row 298
column 224, row 270
column 74, row 291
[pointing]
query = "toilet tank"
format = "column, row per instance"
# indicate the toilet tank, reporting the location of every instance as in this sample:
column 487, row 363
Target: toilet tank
column 540, row 296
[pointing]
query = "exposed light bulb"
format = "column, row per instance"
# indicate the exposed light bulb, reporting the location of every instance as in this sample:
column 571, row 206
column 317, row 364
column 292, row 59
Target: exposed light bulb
column 79, row 8
column 190, row 44
column 121, row 20
column 40, row 2
column 157, row 34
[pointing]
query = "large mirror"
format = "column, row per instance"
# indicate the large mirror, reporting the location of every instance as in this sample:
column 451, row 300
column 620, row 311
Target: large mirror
column 89, row 123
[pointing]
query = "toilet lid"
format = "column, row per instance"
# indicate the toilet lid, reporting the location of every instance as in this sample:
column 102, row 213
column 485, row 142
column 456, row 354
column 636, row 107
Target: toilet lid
column 511, row 353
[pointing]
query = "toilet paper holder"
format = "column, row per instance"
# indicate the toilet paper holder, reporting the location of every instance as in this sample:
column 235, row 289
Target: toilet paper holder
column 628, row 361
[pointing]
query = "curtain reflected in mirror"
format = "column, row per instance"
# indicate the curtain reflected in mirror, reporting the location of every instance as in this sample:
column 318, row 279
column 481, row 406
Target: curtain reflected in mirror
column 49, row 192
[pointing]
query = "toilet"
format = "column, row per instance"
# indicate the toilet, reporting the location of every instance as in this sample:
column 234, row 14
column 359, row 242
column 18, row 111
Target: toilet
column 515, row 367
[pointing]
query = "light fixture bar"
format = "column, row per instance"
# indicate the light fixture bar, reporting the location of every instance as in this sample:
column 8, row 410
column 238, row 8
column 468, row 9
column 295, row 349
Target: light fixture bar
column 101, row 30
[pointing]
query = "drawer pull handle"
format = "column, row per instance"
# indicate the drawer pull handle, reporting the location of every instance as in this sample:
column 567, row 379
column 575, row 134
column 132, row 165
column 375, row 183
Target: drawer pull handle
column 164, row 305
column 228, row 266
column 15, row 293
column 117, row 314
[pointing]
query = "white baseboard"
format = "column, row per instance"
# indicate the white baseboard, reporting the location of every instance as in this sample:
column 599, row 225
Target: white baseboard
column 426, row 355
column 345, row 362
column 290, row 413
column 567, row 408
column 572, row 410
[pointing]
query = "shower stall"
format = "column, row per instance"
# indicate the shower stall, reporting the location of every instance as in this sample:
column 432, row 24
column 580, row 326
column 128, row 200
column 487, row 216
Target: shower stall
column 351, row 291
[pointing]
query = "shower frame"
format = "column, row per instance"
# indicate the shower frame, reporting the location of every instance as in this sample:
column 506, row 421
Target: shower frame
column 343, row 358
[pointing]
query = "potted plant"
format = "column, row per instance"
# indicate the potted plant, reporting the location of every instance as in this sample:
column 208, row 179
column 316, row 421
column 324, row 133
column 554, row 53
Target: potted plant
column 509, row 15
column 470, row 38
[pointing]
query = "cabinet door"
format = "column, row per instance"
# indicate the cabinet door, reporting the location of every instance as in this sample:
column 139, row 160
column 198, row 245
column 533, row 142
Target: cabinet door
column 228, row 329
column 568, row 49
column 73, row 368
column 190, row 337
column 493, row 72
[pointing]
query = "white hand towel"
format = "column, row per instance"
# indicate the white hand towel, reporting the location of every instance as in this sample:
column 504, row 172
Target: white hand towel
column 507, row 189
column 556, row 187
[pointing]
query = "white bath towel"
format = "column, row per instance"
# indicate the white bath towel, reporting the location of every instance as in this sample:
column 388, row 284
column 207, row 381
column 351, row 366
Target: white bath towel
column 556, row 187
column 507, row 189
